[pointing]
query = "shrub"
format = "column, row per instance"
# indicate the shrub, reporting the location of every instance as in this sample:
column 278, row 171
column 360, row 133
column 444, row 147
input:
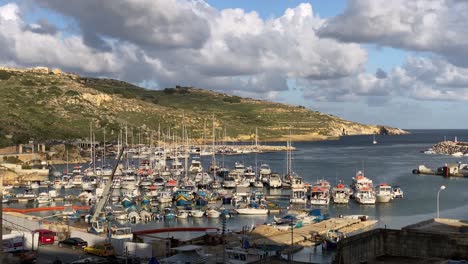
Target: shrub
column 4, row 75
column 232, row 99
column 72, row 93
column 28, row 82
column 54, row 90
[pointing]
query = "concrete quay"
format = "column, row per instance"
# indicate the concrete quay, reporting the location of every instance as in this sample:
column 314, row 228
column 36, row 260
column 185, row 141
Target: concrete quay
column 270, row 235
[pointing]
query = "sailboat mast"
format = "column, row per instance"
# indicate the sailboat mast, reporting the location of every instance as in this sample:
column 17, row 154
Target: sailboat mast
column 213, row 150
column 104, row 150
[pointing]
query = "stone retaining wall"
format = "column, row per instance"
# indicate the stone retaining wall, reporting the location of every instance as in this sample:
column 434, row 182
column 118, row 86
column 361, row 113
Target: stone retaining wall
column 366, row 247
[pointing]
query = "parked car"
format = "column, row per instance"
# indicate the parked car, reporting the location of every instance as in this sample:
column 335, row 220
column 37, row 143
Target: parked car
column 73, row 242
column 46, row 237
column 103, row 250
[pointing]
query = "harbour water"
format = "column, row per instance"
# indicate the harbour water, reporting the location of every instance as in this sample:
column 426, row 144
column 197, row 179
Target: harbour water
column 390, row 161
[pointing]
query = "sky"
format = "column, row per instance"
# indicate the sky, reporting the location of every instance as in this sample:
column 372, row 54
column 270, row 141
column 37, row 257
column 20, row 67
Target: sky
column 401, row 63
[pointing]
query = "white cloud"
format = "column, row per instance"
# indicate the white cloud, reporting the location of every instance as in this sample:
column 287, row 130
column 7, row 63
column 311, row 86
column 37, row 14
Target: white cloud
column 419, row 78
column 438, row 26
column 190, row 43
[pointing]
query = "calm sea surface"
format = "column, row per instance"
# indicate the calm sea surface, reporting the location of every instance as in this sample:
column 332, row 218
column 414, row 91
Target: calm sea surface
column 390, row 161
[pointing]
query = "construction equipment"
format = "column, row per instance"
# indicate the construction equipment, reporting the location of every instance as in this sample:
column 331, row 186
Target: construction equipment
column 97, row 225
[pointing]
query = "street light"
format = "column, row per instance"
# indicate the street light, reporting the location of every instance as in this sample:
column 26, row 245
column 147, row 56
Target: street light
column 438, row 193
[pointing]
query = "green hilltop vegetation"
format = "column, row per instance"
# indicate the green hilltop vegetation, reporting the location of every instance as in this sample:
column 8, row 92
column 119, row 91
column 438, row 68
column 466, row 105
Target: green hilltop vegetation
column 45, row 105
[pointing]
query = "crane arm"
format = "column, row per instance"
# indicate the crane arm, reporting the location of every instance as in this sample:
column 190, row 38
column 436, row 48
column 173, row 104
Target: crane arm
column 107, row 189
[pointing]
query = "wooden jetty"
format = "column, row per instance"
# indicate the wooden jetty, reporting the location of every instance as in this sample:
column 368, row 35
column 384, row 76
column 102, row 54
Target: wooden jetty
column 265, row 234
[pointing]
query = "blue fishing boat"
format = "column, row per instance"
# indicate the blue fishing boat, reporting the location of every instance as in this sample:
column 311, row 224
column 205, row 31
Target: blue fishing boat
column 127, row 202
column 201, row 199
column 145, row 200
column 183, row 197
column 169, row 213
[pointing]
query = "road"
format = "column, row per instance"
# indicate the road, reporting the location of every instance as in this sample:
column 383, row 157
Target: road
column 48, row 253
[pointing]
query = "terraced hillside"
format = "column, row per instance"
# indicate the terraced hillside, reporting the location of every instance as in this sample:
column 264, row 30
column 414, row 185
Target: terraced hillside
column 47, row 105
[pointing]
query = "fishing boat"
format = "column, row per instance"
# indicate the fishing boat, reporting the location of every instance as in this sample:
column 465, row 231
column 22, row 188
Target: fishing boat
column 127, row 202
column 164, row 197
column 298, row 196
column 319, row 196
column 374, row 141
column 331, row 238
column 341, row 194
column 183, row 197
column 384, row 193
column 169, row 213
column 360, row 181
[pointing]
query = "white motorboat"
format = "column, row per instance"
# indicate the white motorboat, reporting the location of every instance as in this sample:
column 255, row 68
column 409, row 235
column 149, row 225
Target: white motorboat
column 243, row 183
column 397, row 192
column 229, row 182
column 34, row 185
column 196, row 166
column 182, row 214
column 274, row 181
column 258, row 184
column 197, row 213
column 133, row 216
column 252, row 211
column 365, row 196
column 68, row 211
column 43, row 198
column 384, row 193
column 212, row 213
column 264, row 170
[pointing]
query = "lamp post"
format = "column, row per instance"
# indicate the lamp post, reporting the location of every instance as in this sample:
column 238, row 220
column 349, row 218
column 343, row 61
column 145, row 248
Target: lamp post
column 438, row 193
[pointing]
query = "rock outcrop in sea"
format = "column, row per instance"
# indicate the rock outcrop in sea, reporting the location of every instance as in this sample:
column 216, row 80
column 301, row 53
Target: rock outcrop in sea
column 450, row 147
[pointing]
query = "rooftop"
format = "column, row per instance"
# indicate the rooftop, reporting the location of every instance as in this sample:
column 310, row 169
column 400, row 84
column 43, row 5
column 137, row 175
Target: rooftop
column 441, row 225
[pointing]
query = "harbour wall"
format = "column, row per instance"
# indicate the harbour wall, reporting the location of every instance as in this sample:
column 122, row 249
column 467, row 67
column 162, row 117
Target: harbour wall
column 367, row 246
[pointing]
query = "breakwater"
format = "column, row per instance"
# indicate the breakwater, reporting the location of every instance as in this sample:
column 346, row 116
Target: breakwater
column 450, row 147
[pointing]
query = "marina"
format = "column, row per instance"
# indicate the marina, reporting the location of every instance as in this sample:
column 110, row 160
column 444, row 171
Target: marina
column 156, row 203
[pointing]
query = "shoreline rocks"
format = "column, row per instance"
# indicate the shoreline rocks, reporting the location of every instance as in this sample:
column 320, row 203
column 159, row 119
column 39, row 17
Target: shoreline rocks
column 450, row 147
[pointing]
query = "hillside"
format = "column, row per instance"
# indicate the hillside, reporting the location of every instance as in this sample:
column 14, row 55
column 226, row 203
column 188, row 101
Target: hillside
column 48, row 104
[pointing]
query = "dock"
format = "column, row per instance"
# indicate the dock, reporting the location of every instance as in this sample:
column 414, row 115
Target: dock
column 266, row 234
